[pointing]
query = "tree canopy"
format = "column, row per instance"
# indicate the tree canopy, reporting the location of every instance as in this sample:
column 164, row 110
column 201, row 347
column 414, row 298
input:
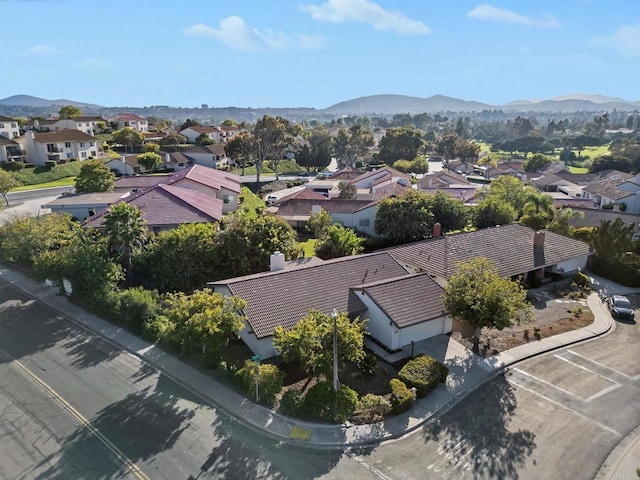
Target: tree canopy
column 149, row 160
column 400, row 144
column 352, row 145
column 310, row 341
column 94, row 176
column 69, row 111
column 476, row 294
column 337, row 241
column 536, row 163
column 125, row 232
column 128, row 137
column 494, row 211
column 7, row 182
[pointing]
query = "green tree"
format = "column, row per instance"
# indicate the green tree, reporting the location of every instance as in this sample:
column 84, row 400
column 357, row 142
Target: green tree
column 69, row 111
column 417, row 165
column 348, row 191
column 467, row 150
column 173, row 140
column 241, row 149
column 538, row 211
column 612, row 239
column 606, row 162
column 85, row 261
column 128, row 137
column 352, row 145
column 204, row 139
column 7, row 182
column 149, row 160
column 494, row 211
column 310, row 342
column 318, row 223
column 189, row 123
column 273, row 136
column 180, row 259
column 478, row 296
column 94, row 176
column 536, row 163
column 446, row 146
column 337, row 241
column 561, row 222
column 510, row 190
column 204, row 320
column 404, row 219
column 150, row 147
column 400, row 143
column 450, row 212
column 125, row 232
column 315, row 152
column 246, row 243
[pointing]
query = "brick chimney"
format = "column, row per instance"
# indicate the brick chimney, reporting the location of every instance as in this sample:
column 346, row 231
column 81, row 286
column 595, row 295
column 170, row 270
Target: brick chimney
column 437, row 230
column 538, row 239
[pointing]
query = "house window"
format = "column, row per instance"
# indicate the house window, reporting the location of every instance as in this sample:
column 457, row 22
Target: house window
column 14, row 125
column 92, row 144
column 92, row 153
column 68, row 155
column 227, row 199
column 84, row 154
column 364, row 222
column 1, row 125
column 82, row 145
column 67, row 144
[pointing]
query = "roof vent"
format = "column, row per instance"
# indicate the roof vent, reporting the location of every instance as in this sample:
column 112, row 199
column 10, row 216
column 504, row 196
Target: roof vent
column 276, row 261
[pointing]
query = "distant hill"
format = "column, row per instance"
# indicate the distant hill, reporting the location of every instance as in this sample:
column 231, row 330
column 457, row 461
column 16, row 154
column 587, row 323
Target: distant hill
column 390, row 104
column 569, row 105
column 29, row 101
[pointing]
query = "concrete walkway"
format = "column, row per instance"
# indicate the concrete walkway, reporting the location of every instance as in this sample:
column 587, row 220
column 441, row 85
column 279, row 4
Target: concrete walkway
column 467, row 372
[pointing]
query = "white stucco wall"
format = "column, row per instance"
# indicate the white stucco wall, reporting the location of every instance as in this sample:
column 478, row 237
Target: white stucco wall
column 9, row 129
column 572, row 264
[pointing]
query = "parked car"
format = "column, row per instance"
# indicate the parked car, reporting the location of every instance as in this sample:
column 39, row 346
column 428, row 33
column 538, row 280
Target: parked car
column 621, row 307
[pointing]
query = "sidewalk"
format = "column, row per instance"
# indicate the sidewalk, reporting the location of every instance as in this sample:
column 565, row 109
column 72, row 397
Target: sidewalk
column 467, row 372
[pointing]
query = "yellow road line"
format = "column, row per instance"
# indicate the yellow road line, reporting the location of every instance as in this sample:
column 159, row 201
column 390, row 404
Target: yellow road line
column 130, row 465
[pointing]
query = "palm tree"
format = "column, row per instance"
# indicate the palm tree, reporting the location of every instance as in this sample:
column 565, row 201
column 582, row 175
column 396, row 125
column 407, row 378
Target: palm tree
column 125, row 232
column 538, row 211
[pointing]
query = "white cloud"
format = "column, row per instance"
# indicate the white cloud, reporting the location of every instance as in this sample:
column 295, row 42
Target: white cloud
column 489, row 13
column 625, row 40
column 236, row 34
column 41, row 49
column 365, row 11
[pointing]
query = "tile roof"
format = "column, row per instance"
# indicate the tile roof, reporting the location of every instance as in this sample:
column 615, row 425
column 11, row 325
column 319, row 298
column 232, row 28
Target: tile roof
column 301, row 193
column 202, row 129
column 408, row 300
column 83, row 118
column 385, row 173
column 174, row 157
column 608, row 186
column 166, row 205
column 348, row 173
column 216, row 149
column 7, row 141
column 98, row 198
column 393, row 189
column 303, row 206
column 584, row 178
column 139, row 181
column 128, row 117
column 6, row 119
column 591, row 217
column 442, row 178
column 284, row 297
column 66, row 135
column 210, row 177
column 510, row 247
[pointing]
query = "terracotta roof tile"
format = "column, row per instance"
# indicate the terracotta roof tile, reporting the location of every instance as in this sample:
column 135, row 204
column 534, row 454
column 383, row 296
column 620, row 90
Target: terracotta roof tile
column 303, row 206
column 67, row 135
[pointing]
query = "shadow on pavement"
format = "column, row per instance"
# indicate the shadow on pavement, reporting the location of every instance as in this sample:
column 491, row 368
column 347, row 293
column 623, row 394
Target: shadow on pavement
column 478, row 439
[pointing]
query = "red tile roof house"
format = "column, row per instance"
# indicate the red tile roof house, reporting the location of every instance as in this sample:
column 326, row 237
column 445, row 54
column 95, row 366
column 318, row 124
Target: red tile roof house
column 165, row 207
column 212, row 156
column 192, row 133
column 398, row 290
column 211, row 182
column 130, row 120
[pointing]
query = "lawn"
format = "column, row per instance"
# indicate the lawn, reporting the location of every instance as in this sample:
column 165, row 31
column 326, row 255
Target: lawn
column 62, row 182
column 593, row 152
column 285, row 167
column 308, row 247
column 41, row 175
column 579, row 170
column 250, row 201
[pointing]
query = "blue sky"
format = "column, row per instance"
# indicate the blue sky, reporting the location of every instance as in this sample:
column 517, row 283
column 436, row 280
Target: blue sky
column 315, row 53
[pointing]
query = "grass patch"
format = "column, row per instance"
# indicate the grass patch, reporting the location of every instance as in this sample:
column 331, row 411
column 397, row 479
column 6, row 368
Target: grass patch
column 250, row 201
column 40, row 175
column 593, row 152
column 578, row 170
column 62, row 182
column 286, row 167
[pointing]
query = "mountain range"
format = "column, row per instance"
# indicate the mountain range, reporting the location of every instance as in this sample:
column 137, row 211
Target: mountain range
column 389, row 104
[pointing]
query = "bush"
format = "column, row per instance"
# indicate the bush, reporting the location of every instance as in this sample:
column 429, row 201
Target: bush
column 401, row 397
column 624, row 272
column 50, row 164
column 372, row 408
column 290, row 403
column 158, row 329
column 323, row 402
column 423, row 373
column 622, row 207
column 368, row 363
column 608, row 206
column 137, row 307
column 580, row 279
column 269, row 380
column 12, row 166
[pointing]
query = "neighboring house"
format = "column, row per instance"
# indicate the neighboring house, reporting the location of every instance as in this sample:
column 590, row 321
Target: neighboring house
column 550, row 182
column 212, row 156
column 41, row 125
column 346, row 174
column 192, row 133
column 125, row 165
column 448, row 182
column 9, row 127
column 59, row 145
column 380, row 183
column 616, row 188
column 218, row 184
column 130, row 120
column 357, row 214
column 165, row 207
column 86, row 124
column 129, row 165
column 83, row 205
column 593, row 217
column 10, row 151
column 175, row 160
column 398, row 290
column 228, row 132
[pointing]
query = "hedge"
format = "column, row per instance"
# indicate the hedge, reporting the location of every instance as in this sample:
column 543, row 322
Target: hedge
column 323, row 402
column 270, row 379
column 423, row 373
column 626, row 273
column 401, row 397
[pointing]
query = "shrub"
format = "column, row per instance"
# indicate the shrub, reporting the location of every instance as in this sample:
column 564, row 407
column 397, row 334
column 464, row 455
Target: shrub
column 622, row 207
column 625, row 272
column 269, row 380
column 12, row 166
column 401, row 397
column 290, row 403
column 608, row 206
column 368, row 363
column 372, row 408
column 158, row 329
column 50, row 164
column 580, row 279
column 323, row 402
column 137, row 307
column 423, row 373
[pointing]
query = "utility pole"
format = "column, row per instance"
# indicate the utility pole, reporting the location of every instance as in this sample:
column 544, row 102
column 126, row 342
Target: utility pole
column 334, row 317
